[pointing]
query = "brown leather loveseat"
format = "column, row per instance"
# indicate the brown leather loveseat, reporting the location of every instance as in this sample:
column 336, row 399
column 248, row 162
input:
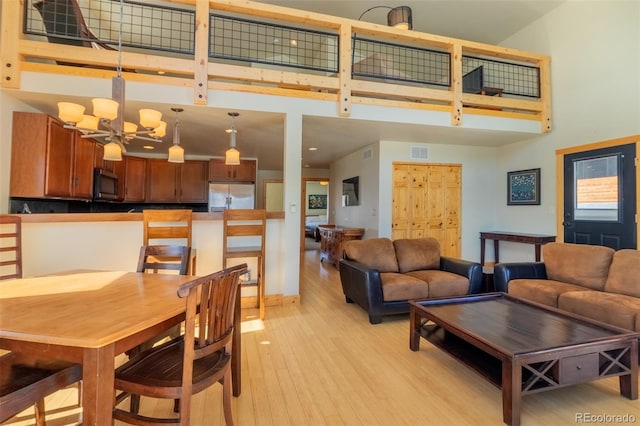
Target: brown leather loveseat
column 382, row 275
column 593, row 281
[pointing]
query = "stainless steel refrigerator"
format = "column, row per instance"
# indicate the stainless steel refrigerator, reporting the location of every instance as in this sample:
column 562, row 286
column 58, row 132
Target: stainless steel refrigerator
column 231, row 196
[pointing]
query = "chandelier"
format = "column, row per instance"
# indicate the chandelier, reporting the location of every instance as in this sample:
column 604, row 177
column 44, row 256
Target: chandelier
column 107, row 122
column 232, row 155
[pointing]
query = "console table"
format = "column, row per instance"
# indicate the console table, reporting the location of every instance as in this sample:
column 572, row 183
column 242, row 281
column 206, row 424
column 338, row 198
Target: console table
column 331, row 239
column 497, row 236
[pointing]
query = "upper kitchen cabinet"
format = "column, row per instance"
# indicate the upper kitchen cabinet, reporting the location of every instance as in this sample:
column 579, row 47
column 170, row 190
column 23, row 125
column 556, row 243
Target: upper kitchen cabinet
column 48, row 160
column 220, row 172
column 162, row 181
column 194, row 183
column 132, row 178
column 177, row 182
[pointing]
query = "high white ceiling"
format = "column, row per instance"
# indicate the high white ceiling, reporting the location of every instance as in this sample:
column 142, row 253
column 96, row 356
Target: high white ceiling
column 260, row 134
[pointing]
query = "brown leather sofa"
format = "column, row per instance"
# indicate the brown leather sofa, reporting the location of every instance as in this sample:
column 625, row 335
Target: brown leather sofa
column 593, row 281
column 382, row 275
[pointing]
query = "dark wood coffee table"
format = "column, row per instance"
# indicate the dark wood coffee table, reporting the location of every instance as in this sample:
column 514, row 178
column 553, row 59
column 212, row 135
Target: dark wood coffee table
column 524, row 347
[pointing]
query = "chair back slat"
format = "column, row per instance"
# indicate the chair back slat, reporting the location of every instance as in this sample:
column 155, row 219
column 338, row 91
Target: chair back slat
column 167, row 224
column 215, row 294
column 10, row 247
column 164, row 257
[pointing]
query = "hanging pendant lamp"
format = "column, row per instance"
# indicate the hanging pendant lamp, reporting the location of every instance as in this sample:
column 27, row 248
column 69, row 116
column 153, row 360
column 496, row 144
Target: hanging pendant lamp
column 232, row 155
column 176, row 152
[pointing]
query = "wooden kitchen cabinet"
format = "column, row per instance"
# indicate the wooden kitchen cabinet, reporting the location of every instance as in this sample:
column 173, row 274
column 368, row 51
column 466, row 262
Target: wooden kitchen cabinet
column 332, row 239
column 194, row 182
column 48, row 160
column 162, row 181
column 220, row 172
column 132, row 180
column 177, row 182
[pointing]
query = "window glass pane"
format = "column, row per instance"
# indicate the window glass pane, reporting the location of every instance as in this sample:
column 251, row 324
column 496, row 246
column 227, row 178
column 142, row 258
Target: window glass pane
column 596, row 188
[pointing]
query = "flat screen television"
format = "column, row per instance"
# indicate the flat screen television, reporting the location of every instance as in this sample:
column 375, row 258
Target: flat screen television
column 351, row 191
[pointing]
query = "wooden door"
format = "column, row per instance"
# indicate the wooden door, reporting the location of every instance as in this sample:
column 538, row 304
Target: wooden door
column 426, row 203
column 162, row 181
column 194, row 182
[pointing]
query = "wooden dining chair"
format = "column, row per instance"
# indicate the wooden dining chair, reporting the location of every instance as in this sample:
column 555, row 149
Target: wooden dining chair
column 26, row 381
column 195, row 361
column 169, row 227
column 244, row 238
column 151, row 260
column 10, row 247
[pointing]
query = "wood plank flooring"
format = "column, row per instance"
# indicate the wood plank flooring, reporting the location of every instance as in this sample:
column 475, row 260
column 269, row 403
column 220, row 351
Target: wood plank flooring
column 322, row 363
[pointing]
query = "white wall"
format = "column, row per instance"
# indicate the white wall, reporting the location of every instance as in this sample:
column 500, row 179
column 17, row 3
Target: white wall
column 364, row 215
column 595, row 78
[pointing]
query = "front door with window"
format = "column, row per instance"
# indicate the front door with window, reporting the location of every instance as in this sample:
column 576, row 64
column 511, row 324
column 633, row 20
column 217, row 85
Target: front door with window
column 600, row 197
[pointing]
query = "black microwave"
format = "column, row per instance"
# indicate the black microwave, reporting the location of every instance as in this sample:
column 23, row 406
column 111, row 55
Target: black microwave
column 105, row 185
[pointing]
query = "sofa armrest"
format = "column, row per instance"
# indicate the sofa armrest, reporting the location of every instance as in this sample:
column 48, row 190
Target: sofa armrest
column 505, row 272
column 471, row 270
column 361, row 284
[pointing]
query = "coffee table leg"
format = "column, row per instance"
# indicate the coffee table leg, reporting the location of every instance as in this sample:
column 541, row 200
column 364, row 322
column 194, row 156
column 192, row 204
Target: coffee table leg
column 414, row 335
column 629, row 382
column 511, row 392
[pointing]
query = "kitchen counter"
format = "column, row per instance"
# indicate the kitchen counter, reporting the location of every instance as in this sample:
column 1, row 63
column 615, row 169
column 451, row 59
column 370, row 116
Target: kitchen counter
column 115, row 217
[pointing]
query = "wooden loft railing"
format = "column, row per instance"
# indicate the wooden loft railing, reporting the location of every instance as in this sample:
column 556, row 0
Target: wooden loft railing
column 205, row 74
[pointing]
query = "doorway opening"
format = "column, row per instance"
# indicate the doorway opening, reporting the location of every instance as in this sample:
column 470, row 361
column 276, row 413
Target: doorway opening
column 315, row 209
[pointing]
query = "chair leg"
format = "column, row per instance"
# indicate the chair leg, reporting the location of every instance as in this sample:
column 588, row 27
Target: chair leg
column 38, row 407
column 226, row 397
column 135, row 403
column 261, row 302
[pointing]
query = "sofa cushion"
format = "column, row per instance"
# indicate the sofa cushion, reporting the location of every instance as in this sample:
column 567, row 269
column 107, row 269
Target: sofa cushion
column 624, row 273
column 614, row 309
column 442, row 283
column 637, row 323
column 541, row 291
column 376, row 253
column 579, row 264
column 397, row 286
column 417, row 253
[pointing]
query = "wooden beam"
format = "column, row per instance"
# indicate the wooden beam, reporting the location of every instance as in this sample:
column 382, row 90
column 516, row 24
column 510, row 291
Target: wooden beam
column 11, row 32
column 456, row 84
column 345, row 54
column 201, row 54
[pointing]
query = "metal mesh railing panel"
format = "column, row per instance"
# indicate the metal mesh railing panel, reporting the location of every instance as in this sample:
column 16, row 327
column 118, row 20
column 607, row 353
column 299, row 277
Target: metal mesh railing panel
column 388, row 61
column 270, row 44
column 143, row 26
column 512, row 78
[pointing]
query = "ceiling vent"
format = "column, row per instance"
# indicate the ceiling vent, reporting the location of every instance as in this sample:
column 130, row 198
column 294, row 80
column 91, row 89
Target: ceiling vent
column 419, row 153
column 367, row 154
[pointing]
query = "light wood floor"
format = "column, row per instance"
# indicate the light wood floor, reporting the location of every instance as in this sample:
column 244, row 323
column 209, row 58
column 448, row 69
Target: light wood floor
column 322, row 363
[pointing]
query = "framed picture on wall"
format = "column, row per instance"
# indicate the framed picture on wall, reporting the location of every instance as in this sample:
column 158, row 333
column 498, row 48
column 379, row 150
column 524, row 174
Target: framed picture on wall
column 523, row 187
column 317, row 202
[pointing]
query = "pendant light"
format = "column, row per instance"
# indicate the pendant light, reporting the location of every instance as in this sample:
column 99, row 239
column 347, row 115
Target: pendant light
column 107, row 121
column 176, row 152
column 232, row 155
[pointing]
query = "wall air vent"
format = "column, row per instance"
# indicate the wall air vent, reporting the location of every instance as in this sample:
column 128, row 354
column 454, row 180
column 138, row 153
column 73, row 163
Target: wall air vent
column 367, row 154
column 419, row 153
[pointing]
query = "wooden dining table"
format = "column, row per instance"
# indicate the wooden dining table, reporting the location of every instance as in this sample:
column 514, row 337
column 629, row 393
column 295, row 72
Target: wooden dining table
column 90, row 317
